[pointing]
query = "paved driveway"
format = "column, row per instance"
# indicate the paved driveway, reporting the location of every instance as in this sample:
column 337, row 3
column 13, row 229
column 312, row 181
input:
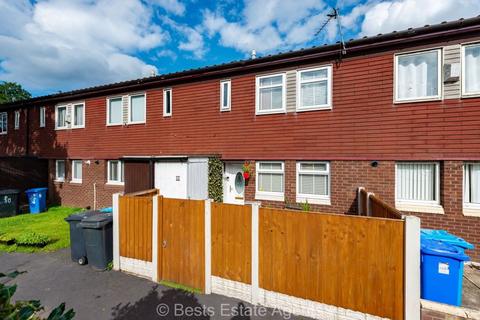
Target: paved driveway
column 54, row 278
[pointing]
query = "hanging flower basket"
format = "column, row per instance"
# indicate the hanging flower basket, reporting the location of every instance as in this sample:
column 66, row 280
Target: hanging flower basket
column 246, row 171
column 246, row 175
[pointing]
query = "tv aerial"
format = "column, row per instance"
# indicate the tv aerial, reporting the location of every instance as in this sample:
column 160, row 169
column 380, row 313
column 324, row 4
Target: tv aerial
column 334, row 14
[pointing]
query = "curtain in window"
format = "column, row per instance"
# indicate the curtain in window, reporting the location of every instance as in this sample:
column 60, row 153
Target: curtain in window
column 314, row 184
column 472, row 69
column 78, row 111
column 114, row 171
column 60, row 170
column 472, row 183
column 62, row 112
column 77, row 170
column 137, row 109
column 314, row 88
column 271, row 93
column 416, row 181
column 115, row 111
column 3, row 122
column 270, row 182
column 417, row 75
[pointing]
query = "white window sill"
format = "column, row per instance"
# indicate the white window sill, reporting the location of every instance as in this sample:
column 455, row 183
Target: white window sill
column 59, row 180
column 271, row 197
column 305, row 109
column 114, row 124
column 420, row 208
column 225, row 110
column 76, row 181
column 114, row 183
column 415, row 100
column 470, row 95
column 138, row 122
column 3, row 133
column 61, row 128
column 302, row 199
column 78, row 127
column 471, row 211
column 261, row 113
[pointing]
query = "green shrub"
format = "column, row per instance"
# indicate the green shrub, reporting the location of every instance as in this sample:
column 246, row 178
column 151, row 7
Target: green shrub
column 32, row 239
column 306, row 206
column 215, row 179
column 7, row 239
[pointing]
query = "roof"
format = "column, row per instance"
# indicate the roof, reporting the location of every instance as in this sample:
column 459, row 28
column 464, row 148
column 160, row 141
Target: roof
column 354, row 46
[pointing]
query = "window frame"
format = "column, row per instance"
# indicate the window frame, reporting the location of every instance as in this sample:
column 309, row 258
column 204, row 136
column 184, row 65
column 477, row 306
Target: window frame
column 76, row 179
column 469, row 205
column 129, row 112
column 437, row 186
column 57, row 178
column 4, row 114
column 463, row 63
column 42, row 117
column 257, row 93
column 73, row 117
column 16, row 122
column 57, row 127
column 108, row 123
column 165, row 113
column 439, row 95
column 312, row 198
column 122, row 177
column 222, row 95
column 328, row 105
column 268, row 195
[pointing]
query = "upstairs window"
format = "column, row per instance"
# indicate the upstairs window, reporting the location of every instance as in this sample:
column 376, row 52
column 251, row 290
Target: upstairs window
column 77, row 171
column 42, row 117
column 471, row 189
column 418, row 182
column 418, row 76
column 313, row 181
column 114, row 111
column 60, row 170
column 314, row 89
column 270, row 94
column 270, row 180
column 115, row 172
column 61, row 117
column 167, row 102
column 78, row 115
column 137, row 109
column 3, row 123
column 225, row 92
column 17, row 120
column 471, row 69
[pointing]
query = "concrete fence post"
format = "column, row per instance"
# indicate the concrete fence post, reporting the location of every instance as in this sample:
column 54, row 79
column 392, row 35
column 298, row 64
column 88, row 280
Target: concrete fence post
column 208, row 246
column 255, row 253
column 155, row 238
column 412, row 268
column 359, row 201
column 116, row 230
column 369, row 203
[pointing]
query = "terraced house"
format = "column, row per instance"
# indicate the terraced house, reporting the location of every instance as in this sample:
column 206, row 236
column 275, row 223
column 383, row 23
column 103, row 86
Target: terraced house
column 398, row 114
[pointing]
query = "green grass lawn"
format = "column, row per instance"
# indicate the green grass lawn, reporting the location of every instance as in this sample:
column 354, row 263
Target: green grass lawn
column 49, row 223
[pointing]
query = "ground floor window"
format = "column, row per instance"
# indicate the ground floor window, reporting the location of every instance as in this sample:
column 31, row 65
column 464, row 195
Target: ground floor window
column 471, row 182
column 115, row 172
column 270, row 180
column 77, row 171
column 313, row 182
column 60, row 170
column 418, row 182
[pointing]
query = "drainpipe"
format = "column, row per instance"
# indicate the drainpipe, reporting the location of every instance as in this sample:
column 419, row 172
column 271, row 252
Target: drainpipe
column 27, row 134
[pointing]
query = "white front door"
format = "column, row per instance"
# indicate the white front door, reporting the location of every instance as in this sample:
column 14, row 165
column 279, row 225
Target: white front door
column 233, row 184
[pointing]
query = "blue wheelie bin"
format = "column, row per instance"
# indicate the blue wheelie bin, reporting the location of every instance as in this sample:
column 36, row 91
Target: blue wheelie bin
column 446, row 237
column 442, row 272
column 37, row 199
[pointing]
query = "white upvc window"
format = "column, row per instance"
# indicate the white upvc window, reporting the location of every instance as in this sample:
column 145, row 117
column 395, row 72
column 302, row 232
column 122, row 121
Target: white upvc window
column 270, row 94
column 3, row 123
column 114, row 111
column 418, row 76
column 417, row 187
column 471, row 189
column 61, row 117
column 471, row 69
column 78, row 115
column 115, row 171
column 313, row 182
column 137, row 108
column 17, row 120
column 270, row 180
column 314, row 89
column 77, row 171
column 42, row 117
column 167, row 102
column 60, row 170
column 225, row 95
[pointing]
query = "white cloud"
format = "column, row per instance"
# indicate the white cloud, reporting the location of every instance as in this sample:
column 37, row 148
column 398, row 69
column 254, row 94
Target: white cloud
column 191, row 38
column 173, row 6
column 388, row 16
column 72, row 44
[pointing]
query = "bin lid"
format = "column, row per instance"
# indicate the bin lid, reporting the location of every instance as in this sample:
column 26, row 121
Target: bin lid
column 79, row 216
column 9, row 191
column 442, row 249
column 97, row 221
column 36, row 190
column 442, row 235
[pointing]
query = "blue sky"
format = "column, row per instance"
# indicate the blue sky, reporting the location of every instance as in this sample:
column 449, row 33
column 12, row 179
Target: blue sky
column 60, row 45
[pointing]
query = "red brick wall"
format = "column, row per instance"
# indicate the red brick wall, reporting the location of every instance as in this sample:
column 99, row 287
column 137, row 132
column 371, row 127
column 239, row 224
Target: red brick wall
column 82, row 194
column 347, row 176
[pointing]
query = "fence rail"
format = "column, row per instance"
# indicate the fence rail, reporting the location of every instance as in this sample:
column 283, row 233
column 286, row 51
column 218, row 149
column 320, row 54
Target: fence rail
column 371, row 205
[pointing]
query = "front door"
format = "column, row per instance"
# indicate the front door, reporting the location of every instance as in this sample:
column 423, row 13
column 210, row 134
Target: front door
column 233, row 184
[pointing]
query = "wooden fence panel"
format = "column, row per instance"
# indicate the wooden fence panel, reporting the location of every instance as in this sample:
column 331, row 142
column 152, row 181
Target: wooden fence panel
column 381, row 209
column 232, row 242
column 347, row 261
column 135, row 222
column 182, row 242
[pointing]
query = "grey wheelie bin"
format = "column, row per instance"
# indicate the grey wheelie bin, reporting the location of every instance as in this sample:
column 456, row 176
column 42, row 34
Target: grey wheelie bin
column 77, row 242
column 9, row 202
column 98, row 234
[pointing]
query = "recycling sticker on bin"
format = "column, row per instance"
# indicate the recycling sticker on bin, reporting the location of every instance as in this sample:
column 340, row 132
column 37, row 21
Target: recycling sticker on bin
column 443, row 268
